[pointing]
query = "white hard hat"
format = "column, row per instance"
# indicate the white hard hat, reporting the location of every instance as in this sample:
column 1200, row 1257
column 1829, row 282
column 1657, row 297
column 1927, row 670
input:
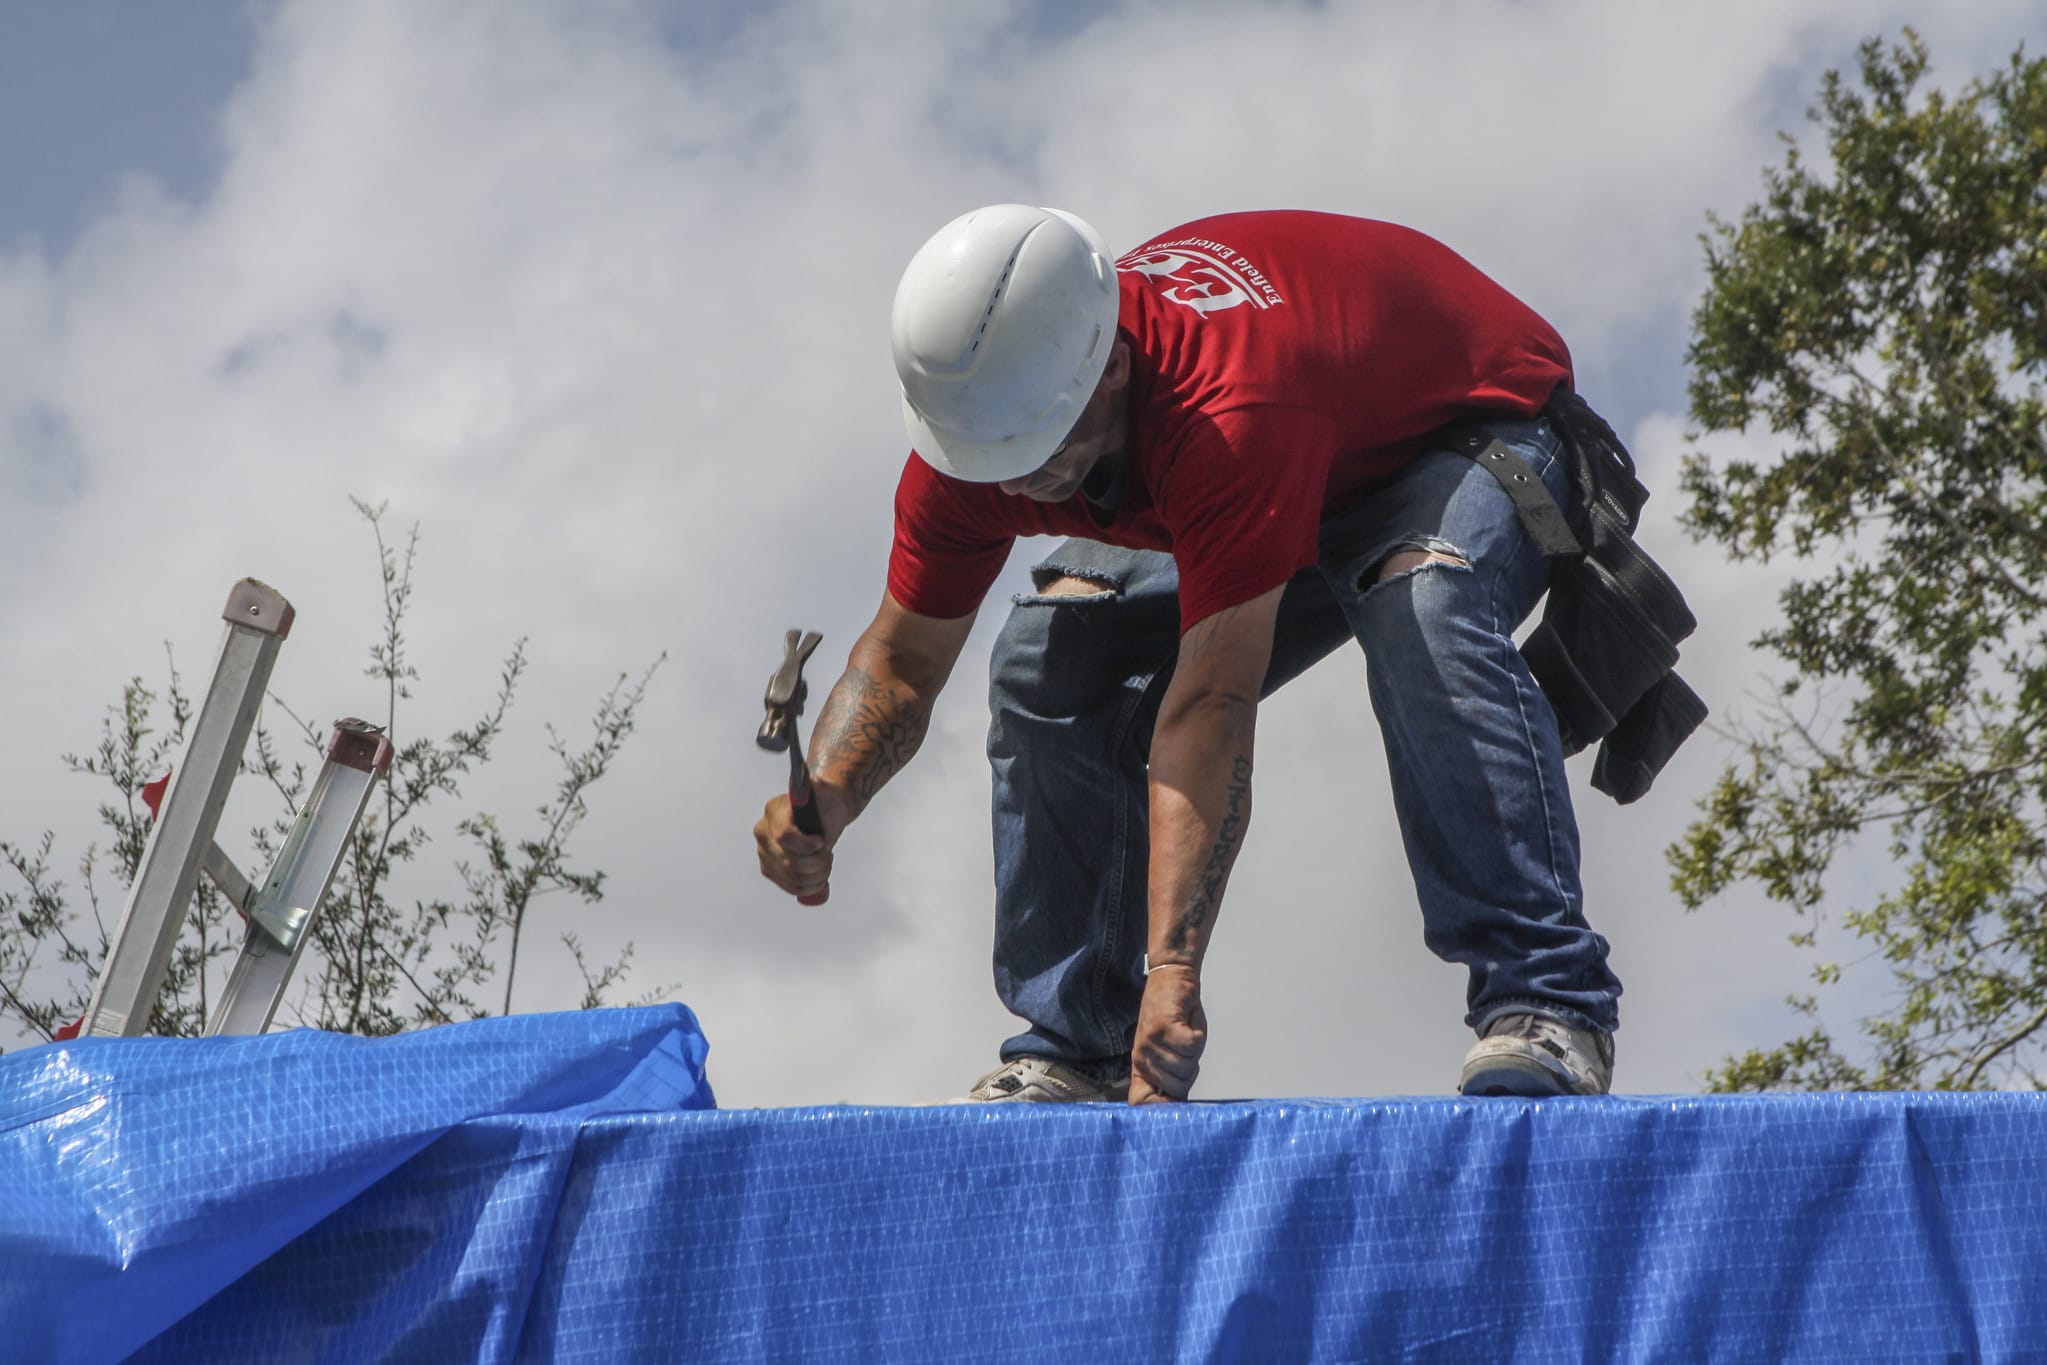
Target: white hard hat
column 1002, row 326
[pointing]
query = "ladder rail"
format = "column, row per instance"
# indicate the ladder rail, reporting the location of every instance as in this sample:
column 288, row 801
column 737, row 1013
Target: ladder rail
column 282, row 912
column 138, row 956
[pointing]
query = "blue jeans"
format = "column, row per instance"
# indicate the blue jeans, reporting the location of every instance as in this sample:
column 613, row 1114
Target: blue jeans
column 1471, row 746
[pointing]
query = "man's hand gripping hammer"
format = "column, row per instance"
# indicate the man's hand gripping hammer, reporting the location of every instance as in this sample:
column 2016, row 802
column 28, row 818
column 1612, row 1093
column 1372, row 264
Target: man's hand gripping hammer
column 785, row 697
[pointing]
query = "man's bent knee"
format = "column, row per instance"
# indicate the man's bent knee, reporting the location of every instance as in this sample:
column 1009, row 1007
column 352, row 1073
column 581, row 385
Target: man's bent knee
column 1409, row 560
column 1072, row 585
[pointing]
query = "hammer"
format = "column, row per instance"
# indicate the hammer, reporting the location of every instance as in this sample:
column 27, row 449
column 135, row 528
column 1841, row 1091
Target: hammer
column 786, row 693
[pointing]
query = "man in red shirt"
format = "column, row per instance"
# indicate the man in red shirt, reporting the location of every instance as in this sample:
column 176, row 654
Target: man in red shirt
column 1242, row 424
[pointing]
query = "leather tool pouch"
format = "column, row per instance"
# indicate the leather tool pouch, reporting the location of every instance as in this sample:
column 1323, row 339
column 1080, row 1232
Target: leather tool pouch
column 1606, row 646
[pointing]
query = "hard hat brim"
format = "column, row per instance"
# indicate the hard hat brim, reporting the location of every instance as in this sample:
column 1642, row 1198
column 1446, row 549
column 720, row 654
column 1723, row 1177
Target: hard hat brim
column 993, row 461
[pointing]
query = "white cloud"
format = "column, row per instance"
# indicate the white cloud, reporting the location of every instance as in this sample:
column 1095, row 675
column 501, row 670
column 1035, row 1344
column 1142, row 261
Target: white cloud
column 606, row 318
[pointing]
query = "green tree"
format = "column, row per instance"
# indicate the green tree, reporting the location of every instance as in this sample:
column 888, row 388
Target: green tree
column 1884, row 314
column 378, row 963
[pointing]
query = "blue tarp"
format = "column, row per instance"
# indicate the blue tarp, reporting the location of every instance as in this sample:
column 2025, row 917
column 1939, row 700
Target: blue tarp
column 556, row 1188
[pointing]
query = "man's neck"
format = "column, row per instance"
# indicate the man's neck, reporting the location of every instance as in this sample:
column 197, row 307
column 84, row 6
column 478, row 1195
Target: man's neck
column 1103, row 486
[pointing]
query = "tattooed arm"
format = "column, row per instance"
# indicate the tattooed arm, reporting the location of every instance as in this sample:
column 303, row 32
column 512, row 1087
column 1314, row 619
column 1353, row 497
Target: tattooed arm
column 1200, row 809
column 868, row 728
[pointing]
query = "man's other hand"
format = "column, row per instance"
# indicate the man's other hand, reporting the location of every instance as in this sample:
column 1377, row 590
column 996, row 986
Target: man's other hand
column 1172, row 1030
column 799, row 863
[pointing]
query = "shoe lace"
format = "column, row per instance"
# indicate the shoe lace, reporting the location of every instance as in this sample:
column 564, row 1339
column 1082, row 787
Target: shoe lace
column 1003, row 1080
column 1552, row 1037
column 1546, row 1034
column 1529, row 1026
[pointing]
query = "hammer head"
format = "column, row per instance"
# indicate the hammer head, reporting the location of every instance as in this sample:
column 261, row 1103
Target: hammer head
column 786, row 691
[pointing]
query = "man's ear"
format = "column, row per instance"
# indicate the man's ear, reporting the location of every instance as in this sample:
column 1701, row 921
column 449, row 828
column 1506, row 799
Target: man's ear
column 1117, row 373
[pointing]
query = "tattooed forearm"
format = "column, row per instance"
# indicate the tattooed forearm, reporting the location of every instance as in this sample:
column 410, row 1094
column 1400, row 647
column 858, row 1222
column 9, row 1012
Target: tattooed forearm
column 866, row 733
column 1208, row 891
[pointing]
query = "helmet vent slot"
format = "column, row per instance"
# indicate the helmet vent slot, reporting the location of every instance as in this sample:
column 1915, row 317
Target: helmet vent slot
column 995, row 297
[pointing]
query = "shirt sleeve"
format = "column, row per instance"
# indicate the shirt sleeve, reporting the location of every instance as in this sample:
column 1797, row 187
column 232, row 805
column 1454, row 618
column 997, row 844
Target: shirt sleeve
column 1242, row 500
column 946, row 553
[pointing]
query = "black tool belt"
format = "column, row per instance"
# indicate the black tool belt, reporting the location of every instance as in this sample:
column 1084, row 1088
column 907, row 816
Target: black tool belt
column 1606, row 647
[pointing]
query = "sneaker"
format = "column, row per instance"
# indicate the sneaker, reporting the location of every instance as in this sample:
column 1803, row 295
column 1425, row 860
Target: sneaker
column 1532, row 1054
column 1036, row 1079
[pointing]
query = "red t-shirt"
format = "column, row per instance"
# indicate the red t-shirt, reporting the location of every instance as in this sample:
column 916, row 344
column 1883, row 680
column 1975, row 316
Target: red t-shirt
column 1281, row 363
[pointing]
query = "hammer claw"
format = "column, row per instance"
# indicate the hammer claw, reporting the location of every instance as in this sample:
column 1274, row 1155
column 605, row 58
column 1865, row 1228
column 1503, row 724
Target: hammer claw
column 784, row 700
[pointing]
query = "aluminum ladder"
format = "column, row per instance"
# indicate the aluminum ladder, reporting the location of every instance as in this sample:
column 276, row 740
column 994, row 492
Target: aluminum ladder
column 282, row 907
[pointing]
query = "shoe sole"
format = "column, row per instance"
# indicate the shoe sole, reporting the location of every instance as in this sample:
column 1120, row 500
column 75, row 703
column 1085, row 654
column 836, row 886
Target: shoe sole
column 1032, row 1099
column 1520, row 1078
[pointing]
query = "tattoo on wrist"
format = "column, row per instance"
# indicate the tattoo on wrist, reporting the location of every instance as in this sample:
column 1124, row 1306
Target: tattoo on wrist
column 872, row 732
column 1208, row 889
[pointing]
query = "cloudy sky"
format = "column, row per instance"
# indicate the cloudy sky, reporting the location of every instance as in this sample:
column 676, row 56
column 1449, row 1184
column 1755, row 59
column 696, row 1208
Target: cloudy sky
column 595, row 292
